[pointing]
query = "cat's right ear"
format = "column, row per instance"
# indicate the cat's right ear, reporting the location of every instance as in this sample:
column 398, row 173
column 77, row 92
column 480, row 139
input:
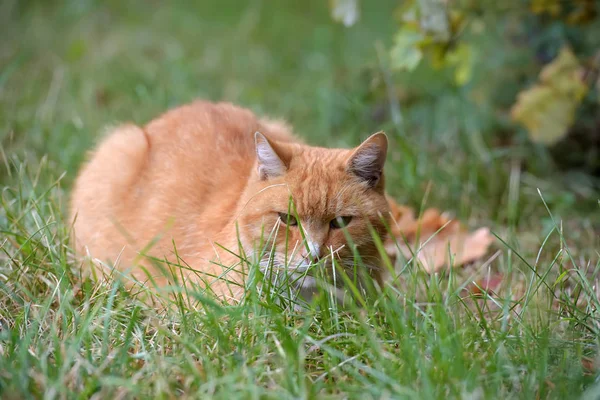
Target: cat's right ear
column 270, row 164
column 366, row 162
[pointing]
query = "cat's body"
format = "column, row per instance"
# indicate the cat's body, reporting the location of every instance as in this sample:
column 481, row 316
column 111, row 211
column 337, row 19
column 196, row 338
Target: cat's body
column 200, row 179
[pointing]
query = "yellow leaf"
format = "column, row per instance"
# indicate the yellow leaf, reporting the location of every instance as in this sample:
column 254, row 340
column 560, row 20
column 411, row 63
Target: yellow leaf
column 548, row 109
column 551, row 7
column 563, row 74
column 545, row 113
column 462, row 59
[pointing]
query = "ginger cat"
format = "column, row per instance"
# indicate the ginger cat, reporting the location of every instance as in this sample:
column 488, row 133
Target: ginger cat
column 207, row 177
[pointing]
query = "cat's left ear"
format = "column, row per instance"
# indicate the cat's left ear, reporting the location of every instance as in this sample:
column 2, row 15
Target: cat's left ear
column 270, row 163
column 368, row 159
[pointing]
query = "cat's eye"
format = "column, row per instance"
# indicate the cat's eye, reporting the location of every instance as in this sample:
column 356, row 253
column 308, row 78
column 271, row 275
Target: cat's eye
column 340, row 222
column 288, row 219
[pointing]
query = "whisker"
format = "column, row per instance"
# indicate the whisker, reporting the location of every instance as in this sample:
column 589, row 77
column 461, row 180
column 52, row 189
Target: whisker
column 256, row 194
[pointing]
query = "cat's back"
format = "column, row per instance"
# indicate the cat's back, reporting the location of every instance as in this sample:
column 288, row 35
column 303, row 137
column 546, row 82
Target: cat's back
column 213, row 129
column 204, row 127
column 192, row 161
column 207, row 146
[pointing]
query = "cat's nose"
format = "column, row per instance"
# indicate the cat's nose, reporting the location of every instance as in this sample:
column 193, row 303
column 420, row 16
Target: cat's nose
column 314, row 250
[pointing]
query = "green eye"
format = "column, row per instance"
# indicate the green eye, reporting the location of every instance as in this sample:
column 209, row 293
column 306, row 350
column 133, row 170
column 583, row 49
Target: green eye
column 288, row 219
column 340, row 222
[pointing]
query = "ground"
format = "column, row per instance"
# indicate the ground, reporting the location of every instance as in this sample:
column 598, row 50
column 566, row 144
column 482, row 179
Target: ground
column 70, row 69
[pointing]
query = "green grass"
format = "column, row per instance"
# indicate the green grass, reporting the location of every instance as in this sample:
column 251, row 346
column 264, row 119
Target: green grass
column 70, row 69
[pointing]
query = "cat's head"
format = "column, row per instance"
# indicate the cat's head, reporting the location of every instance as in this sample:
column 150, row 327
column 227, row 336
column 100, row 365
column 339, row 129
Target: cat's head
column 306, row 204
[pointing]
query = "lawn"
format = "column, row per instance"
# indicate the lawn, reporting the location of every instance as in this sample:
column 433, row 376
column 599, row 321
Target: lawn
column 70, row 69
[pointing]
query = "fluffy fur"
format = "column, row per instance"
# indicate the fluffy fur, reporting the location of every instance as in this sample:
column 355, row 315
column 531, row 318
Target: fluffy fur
column 207, row 177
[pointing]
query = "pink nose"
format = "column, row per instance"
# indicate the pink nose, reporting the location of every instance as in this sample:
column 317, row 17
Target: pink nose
column 312, row 251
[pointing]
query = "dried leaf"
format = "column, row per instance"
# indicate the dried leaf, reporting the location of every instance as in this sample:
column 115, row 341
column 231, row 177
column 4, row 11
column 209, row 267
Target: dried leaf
column 547, row 109
column 434, row 238
column 487, row 284
column 564, row 75
column 545, row 114
column 589, row 365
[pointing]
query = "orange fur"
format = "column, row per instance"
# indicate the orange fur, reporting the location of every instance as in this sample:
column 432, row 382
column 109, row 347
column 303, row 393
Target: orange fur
column 197, row 176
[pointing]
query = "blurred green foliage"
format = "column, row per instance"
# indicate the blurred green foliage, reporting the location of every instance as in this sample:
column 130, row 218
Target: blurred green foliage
column 489, row 54
column 71, row 68
column 444, row 89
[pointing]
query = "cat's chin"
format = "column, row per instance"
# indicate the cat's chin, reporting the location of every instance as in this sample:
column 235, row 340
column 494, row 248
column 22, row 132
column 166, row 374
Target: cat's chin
column 300, row 283
column 309, row 288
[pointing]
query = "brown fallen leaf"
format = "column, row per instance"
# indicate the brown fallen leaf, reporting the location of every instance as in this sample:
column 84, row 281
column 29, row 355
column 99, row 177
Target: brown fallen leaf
column 433, row 238
column 589, row 365
column 486, row 285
